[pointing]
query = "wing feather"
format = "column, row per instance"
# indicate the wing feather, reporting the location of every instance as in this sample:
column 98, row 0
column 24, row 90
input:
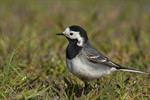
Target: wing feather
column 96, row 57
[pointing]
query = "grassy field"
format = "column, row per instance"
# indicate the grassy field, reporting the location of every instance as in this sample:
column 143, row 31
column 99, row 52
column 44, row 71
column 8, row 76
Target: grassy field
column 32, row 57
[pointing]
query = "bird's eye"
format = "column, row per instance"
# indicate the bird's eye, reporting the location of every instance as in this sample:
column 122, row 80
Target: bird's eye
column 71, row 33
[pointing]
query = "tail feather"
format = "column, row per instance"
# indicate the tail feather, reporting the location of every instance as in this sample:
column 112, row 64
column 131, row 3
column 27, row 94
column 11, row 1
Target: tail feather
column 131, row 70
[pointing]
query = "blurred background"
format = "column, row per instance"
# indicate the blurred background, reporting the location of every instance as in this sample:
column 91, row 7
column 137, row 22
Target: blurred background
column 32, row 57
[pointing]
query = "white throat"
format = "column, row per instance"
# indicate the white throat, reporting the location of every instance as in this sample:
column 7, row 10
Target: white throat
column 80, row 41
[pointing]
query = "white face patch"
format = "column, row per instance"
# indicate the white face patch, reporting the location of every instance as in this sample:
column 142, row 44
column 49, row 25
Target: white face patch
column 74, row 35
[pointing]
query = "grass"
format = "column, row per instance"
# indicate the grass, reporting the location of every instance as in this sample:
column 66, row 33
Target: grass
column 32, row 57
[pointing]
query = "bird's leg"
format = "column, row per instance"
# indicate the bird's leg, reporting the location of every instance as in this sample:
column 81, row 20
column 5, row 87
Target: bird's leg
column 87, row 87
column 97, row 85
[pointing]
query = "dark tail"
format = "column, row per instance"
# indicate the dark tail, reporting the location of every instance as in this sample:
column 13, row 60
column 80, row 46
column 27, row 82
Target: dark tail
column 131, row 70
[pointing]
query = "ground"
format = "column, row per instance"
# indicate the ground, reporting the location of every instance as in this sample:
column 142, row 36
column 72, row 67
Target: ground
column 32, row 57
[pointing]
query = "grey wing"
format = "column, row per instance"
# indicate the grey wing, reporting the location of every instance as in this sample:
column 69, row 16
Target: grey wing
column 96, row 57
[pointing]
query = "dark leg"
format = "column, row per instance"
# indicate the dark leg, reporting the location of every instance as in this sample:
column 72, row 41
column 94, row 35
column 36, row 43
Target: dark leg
column 86, row 85
column 97, row 85
column 87, row 88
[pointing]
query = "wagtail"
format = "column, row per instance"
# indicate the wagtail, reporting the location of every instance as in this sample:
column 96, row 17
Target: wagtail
column 84, row 61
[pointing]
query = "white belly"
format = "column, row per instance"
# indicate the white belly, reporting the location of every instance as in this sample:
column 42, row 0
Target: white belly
column 87, row 70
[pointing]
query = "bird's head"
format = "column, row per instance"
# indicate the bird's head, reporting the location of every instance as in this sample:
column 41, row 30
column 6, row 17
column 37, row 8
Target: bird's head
column 75, row 34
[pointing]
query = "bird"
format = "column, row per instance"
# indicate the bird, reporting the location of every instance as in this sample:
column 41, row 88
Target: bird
column 85, row 61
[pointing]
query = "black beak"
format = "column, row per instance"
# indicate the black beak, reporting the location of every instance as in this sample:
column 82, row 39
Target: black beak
column 59, row 34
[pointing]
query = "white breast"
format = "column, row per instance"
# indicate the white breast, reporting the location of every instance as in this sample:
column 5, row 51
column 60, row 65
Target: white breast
column 87, row 70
